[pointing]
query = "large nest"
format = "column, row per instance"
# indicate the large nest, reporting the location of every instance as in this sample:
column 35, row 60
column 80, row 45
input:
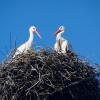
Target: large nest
column 47, row 75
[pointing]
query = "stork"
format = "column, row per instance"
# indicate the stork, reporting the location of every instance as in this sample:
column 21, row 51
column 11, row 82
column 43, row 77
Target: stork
column 61, row 45
column 24, row 48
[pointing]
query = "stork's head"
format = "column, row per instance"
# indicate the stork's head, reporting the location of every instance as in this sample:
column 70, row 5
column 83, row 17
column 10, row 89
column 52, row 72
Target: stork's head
column 33, row 29
column 60, row 30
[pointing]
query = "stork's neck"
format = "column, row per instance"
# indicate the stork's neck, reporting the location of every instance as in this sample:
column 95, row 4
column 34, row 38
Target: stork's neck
column 31, row 37
column 59, row 35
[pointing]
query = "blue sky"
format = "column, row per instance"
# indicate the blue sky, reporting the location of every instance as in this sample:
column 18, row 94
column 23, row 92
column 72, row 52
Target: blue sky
column 80, row 17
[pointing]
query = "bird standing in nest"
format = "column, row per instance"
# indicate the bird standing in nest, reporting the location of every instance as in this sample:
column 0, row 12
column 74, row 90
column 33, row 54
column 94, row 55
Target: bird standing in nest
column 61, row 45
column 24, row 48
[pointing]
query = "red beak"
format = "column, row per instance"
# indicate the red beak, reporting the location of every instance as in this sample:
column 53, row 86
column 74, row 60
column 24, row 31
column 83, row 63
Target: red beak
column 58, row 31
column 38, row 34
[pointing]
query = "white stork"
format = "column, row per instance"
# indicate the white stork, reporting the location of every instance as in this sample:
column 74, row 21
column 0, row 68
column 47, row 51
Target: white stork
column 24, row 48
column 61, row 45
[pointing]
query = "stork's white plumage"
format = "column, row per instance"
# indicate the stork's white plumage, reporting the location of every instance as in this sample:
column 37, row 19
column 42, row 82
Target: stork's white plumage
column 24, row 48
column 61, row 45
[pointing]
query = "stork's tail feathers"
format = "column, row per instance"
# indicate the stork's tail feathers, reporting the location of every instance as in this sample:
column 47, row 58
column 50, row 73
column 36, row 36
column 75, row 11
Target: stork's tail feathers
column 70, row 46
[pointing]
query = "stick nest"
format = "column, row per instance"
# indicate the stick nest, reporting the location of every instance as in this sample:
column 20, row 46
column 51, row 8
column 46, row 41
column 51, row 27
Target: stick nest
column 47, row 75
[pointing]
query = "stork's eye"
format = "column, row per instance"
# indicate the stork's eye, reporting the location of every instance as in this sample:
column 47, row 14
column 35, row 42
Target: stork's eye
column 61, row 27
